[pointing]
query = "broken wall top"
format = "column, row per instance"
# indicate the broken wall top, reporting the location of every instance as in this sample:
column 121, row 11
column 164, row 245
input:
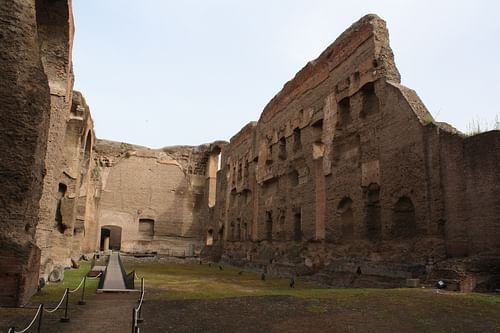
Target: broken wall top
column 378, row 63
column 191, row 159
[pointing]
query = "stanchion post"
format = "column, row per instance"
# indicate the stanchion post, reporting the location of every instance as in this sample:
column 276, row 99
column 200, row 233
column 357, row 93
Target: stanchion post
column 133, row 320
column 65, row 319
column 82, row 300
column 11, row 329
column 139, row 318
column 39, row 329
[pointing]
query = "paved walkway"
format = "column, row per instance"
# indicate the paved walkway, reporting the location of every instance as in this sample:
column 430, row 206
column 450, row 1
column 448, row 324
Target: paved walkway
column 114, row 277
column 103, row 313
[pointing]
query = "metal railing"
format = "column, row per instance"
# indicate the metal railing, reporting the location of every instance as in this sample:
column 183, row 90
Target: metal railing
column 65, row 297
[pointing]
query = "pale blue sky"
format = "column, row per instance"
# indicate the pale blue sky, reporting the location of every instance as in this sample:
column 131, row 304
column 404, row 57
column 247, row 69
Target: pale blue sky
column 161, row 72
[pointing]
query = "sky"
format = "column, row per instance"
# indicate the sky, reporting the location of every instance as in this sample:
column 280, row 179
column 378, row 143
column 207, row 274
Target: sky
column 161, row 72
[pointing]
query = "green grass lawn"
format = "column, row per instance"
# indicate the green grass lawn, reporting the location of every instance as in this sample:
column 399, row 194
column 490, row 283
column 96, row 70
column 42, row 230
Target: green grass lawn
column 375, row 310
column 166, row 280
column 53, row 291
column 372, row 310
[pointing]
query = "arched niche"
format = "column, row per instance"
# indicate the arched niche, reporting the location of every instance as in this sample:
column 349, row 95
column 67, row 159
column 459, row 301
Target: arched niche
column 403, row 218
column 344, row 211
column 210, row 237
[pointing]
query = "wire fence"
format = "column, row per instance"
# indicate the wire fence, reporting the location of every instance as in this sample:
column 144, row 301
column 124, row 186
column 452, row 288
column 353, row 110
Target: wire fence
column 41, row 309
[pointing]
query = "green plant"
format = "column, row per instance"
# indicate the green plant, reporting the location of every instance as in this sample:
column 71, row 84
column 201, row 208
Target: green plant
column 125, row 146
column 476, row 126
column 427, row 119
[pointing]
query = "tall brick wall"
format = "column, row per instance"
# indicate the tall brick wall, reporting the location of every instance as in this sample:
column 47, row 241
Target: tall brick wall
column 166, row 187
column 24, row 122
column 55, row 28
column 347, row 176
column 482, row 192
column 66, row 222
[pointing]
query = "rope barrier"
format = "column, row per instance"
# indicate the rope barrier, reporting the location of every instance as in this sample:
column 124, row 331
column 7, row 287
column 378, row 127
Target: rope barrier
column 76, row 289
column 13, row 330
column 142, row 294
column 67, row 291
column 58, row 305
column 136, row 311
column 95, row 277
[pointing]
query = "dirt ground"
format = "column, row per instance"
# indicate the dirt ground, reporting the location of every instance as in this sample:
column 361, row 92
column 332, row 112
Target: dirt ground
column 292, row 314
column 208, row 298
column 373, row 312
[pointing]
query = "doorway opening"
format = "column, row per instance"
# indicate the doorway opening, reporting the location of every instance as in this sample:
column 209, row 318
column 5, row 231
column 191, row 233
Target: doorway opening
column 111, row 238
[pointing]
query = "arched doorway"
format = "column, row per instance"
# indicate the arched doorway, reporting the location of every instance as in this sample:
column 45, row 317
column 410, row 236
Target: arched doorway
column 111, row 238
column 210, row 237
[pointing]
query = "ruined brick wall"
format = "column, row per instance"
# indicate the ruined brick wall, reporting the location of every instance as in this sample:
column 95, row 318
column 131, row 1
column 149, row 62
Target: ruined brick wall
column 79, row 175
column 62, row 234
column 156, row 197
column 345, row 175
column 471, row 178
column 55, row 28
column 49, row 135
column 236, row 181
column 25, row 105
column 482, row 188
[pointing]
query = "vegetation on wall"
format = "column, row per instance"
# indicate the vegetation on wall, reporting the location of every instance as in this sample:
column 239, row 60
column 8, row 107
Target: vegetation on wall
column 479, row 126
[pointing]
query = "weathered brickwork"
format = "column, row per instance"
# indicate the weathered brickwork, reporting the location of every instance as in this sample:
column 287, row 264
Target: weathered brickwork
column 346, row 176
column 25, row 105
column 61, row 229
column 47, row 139
column 55, row 30
column 153, row 200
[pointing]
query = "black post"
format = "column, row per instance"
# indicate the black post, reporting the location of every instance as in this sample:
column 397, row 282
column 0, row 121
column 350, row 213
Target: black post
column 11, row 329
column 65, row 319
column 82, row 300
column 133, row 320
column 39, row 329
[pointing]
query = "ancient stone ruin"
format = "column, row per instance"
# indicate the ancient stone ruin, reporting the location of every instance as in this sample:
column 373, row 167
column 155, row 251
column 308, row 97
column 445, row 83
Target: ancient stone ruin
column 345, row 177
column 155, row 201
